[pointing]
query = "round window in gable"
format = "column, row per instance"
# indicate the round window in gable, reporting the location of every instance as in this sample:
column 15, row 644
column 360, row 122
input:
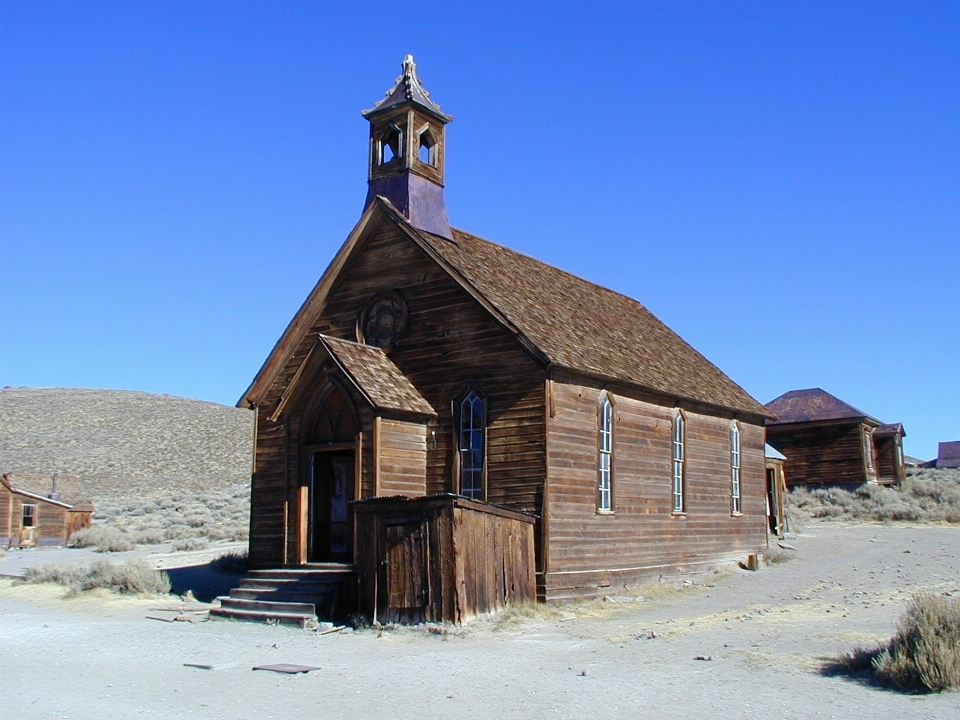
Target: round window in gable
column 383, row 320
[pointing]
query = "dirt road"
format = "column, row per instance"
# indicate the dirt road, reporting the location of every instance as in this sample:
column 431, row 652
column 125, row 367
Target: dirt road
column 764, row 637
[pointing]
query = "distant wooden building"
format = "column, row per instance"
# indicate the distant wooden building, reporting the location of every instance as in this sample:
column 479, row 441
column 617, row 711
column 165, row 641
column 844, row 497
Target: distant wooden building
column 830, row 443
column 430, row 361
column 776, row 490
column 948, row 455
column 39, row 510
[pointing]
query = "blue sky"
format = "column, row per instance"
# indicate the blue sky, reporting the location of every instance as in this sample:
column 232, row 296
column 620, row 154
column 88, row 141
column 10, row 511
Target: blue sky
column 779, row 182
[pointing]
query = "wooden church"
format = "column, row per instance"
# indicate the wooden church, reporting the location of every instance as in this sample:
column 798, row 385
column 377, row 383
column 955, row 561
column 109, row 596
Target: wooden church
column 462, row 426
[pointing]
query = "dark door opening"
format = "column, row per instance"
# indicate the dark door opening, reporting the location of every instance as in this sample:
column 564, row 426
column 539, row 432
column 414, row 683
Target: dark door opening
column 330, row 531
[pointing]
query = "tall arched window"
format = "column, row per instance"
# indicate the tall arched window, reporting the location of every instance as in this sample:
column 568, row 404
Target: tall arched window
column 605, row 464
column 679, row 436
column 735, row 468
column 471, row 443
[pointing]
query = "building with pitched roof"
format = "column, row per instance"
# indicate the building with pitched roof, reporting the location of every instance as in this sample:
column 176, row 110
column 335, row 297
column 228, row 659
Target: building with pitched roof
column 40, row 510
column 829, row 443
column 430, row 361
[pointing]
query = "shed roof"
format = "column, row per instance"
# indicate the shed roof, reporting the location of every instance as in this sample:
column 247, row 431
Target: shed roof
column 889, row 429
column 377, row 377
column 812, row 405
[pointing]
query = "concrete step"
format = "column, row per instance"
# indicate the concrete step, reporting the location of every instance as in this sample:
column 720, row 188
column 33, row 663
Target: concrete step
column 270, row 606
column 297, row 619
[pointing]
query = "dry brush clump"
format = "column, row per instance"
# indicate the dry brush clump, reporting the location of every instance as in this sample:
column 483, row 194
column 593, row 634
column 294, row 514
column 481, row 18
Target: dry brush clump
column 925, row 652
column 133, row 577
column 103, row 538
column 930, row 495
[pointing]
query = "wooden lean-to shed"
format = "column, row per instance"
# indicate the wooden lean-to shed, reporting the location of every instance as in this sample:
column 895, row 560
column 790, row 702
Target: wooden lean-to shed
column 483, row 384
column 34, row 510
column 829, row 443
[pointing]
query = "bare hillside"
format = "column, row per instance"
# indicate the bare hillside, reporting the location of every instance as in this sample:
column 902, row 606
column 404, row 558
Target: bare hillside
column 124, row 445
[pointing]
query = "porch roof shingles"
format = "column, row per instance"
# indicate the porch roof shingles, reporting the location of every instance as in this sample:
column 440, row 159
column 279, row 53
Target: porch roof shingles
column 377, row 377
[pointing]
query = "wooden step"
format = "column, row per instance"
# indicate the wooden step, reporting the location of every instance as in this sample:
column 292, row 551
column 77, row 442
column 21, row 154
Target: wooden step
column 270, row 606
column 301, row 620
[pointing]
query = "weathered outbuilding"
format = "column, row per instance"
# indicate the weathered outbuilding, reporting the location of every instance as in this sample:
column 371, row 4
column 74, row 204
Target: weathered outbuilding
column 830, row 443
column 34, row 509
column 430, row 361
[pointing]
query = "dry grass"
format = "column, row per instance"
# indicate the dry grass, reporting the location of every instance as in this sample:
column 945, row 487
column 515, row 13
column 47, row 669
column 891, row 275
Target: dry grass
column 930, row 495
column 103, row 538
column 925, row 652
column 133, row 577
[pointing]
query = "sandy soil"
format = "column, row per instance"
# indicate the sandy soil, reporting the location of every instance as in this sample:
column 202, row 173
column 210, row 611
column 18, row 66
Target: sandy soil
column 768, row 635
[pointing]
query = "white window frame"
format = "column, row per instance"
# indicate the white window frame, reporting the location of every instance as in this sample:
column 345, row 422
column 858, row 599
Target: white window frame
column 605, row 455
column 735, row 501
column 868, row 450
column 679, row 436
column 28, row 510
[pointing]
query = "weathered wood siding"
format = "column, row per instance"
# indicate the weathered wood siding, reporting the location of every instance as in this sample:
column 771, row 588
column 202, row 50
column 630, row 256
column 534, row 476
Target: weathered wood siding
column 889, row 466
column 441, row 558
column 401, row 457
column 821, row 455
column 6, row 503
column 450, row 341
column 51, row 521
column 586, row 550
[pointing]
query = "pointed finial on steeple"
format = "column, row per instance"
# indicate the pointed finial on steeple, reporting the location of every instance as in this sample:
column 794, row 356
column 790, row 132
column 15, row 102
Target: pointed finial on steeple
column 408, row 88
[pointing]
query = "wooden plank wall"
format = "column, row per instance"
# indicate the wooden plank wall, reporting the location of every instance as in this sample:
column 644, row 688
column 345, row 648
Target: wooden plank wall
column 402, row 460
column 441, row 559
column 6, row 502
column 587, row 551
column 820, row 455
column 888, row 469
column 495, row 563
column 51, row 520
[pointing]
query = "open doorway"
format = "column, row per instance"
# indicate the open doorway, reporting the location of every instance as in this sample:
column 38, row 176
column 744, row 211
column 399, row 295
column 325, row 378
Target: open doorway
column 330, row 518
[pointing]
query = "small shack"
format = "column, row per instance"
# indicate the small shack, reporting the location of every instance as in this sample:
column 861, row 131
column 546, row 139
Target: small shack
column 776, row 490
column 441, row 558
column 30, row 517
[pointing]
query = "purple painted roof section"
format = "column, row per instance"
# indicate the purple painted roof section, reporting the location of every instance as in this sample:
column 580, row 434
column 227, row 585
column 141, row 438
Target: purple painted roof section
column 419, row 200
column 812, row 405
column 408, row 89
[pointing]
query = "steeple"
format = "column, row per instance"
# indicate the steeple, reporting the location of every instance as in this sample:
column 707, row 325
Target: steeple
column 407, row 153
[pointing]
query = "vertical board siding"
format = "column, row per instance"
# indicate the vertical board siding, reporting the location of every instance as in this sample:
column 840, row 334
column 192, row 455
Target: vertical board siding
column 441, row 559
column 588, row 550
column 403, row 458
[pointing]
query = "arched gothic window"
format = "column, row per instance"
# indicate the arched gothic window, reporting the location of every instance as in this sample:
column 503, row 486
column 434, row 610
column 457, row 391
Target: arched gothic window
column 735, row 468
column 471, row 443
column 679, row 439
column 605, row 456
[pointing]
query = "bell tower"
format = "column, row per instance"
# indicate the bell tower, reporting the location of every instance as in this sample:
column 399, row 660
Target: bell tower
column 407, row 148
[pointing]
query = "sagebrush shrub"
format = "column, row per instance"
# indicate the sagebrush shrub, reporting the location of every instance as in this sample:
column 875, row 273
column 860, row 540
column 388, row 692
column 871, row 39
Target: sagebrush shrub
column 103, row 538
column 925, row 652
column 134, row 577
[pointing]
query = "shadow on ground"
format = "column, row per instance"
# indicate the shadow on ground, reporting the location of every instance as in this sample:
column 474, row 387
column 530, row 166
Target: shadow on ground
column 204, row 581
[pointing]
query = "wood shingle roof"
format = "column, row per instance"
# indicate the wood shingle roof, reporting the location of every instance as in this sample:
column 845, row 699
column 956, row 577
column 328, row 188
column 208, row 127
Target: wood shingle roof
column 812, row 405
column 377, row 377
column 588, row 328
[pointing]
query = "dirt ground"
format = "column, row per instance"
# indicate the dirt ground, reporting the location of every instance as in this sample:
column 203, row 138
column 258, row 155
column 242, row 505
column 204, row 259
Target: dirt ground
column 765, row 638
